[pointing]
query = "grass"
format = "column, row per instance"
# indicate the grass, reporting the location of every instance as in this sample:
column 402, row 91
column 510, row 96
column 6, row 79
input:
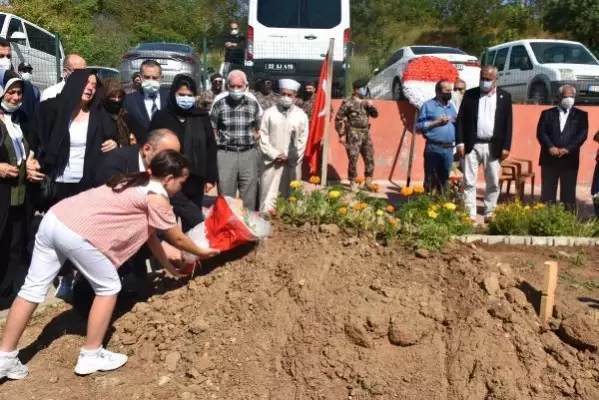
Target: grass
column 589, row 284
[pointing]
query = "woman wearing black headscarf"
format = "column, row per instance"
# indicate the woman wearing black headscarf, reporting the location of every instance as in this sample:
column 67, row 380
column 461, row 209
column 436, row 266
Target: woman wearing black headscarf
column 14, row 167
column 78, row 130
column 192, row 126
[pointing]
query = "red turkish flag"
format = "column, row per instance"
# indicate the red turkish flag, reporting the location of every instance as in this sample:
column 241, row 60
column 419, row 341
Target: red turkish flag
column 317, row 123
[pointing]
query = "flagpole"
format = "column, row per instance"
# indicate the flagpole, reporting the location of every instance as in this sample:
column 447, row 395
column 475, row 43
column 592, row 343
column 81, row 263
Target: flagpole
column 327, row 124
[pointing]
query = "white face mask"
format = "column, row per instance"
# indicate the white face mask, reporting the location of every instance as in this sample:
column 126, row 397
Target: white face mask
column 26, row 76
column 567, row 103
column 486, row 86
column 150, row 86
column 9, row 108
column 236, row 94
column 234, row 31
column 285, row 101
column 5, row 63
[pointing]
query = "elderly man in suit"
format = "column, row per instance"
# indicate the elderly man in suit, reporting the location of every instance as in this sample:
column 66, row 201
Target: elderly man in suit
column 143, row 104
column 484, row 137
column 561, row 132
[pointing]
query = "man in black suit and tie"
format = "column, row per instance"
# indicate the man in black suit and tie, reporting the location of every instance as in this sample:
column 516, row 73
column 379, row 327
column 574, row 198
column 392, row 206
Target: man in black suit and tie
column 484, row 137
column 562, row 130
column 143, row 104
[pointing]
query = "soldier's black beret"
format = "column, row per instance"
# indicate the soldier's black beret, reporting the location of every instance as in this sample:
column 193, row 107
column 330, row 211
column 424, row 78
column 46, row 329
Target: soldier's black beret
column 360, row 83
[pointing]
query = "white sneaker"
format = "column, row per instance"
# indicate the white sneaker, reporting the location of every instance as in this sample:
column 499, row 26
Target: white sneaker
column 100, row 360
column 11, row 368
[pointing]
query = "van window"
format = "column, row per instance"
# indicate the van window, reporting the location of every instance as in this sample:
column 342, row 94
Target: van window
column 519, row 59
column 556, row 52
column 305, row 14
column 488, row 57
column 501, row 58
column 40, row 40
column 14, row 26
column 2, row 19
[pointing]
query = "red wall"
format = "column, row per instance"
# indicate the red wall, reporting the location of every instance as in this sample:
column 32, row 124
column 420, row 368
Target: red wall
column 392, row 154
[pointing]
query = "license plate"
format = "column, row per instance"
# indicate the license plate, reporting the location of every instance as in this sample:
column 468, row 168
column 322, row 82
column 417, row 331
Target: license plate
column 279, row 67
column 594, row 88
column 459, row 67
column 162, row 61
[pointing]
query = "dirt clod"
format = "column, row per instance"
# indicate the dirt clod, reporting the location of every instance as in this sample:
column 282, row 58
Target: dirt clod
column 356, row 335
column 581, row 332
column 491, row 284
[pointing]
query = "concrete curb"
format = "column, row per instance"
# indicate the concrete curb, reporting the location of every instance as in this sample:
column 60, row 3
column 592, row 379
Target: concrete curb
column 530, row 240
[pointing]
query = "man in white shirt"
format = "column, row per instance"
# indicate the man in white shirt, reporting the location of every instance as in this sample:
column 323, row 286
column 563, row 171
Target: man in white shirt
column 142, row 105
column 283, row 137
column 71, row 63
column 484, row 137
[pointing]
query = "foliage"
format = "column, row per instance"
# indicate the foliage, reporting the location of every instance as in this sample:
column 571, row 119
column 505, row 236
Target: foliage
column 579, row 18
column 540, row 220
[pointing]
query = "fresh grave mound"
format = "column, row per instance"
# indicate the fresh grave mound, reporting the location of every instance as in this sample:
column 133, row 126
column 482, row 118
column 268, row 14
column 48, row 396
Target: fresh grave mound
column 314, row 314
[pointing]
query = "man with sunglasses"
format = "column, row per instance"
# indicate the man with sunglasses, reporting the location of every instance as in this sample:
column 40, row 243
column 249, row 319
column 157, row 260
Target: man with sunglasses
column 459, row 88
column 206, row 99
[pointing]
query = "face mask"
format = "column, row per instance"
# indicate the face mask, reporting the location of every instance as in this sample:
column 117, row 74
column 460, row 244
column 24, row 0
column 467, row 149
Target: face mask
column 5, row 63
column 567, row 103
column 9, row 108
column 286, row 102
column 185, row 102
column 113, row 107
column 446, row 96
column 150, row 86
column 363, row 92
column 486, row 86
column 308, row 95
column 234, row 32
column 26, row 76
column 236, row 94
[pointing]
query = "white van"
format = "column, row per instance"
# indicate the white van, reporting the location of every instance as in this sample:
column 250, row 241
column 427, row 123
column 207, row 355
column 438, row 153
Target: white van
column 534, row 69
column 290, row 38
column 33, row 45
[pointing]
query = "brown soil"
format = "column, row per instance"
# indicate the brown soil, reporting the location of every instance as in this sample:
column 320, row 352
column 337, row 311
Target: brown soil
column 313, row 315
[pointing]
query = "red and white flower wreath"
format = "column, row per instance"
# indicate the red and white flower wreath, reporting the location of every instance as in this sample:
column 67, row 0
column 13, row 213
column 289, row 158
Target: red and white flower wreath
column 421, row 76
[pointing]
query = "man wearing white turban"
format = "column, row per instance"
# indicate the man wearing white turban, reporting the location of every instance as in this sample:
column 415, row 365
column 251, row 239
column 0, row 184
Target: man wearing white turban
column 283, row 137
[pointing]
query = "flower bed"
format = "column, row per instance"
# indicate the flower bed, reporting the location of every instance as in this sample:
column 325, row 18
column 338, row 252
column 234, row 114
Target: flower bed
column 425, row 220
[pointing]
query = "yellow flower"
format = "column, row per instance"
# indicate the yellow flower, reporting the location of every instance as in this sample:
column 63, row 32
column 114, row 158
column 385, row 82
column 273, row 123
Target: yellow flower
column 390, row 209
column 343, row 210
column 407, row 191
column 539, row 206
column 356, row 207
column 334, row 194
column 359, row 181
column 380, row 212
column 527, row 208
column 295, row 184
column 292, row 199
column 419, row 189
column 434, row 207
column 467, row 220
column 314, row 180
column 392, row 221
column 450, row 206
column 432, row 214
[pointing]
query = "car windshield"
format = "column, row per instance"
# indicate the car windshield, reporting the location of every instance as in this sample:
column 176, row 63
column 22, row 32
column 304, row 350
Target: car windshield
column 419, row 50
column 176, row 48
column 567, row 53
column 308, row 14
column 2, row 18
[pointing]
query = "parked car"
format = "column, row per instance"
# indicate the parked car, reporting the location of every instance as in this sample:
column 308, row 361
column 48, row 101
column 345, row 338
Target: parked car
column 105, row 72
column 534, row 69
column 175, row 58
column 34, row 45
column 387, row 80
column 290, row 39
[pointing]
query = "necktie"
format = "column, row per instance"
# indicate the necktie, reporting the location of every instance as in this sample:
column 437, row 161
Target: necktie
column 154, row 105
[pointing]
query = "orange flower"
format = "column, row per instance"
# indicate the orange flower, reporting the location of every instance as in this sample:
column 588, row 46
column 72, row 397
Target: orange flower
column 343, row 210
column 407, row 191
column 419, row 189
column 392, row 221
column 359, row 181
column 374, row 187
column 390, row 209
column 314, row 180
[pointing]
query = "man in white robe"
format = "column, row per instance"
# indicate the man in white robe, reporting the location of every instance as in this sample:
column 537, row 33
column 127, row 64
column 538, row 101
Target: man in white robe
column 283, row 137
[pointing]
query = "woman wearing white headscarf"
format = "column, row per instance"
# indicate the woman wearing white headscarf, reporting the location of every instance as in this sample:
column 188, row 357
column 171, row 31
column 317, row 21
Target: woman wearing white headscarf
column 14, row 173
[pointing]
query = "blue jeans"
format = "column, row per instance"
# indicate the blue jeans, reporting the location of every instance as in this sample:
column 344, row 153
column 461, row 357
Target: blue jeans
column 437, row 166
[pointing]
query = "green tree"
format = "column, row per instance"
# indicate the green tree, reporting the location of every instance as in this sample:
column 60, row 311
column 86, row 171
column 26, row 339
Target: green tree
column 579, row 18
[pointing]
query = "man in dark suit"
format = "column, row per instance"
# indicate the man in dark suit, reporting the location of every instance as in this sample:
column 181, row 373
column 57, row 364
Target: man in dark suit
column 561, row 132
column 142, row 105
column 484, row 137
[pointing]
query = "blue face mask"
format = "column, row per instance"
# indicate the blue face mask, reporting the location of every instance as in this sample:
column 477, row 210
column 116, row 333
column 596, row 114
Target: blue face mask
column 364, row 92
column 185, row 102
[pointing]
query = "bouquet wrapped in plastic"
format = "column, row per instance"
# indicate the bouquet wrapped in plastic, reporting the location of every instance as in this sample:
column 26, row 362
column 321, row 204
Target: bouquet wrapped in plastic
column 228, row 225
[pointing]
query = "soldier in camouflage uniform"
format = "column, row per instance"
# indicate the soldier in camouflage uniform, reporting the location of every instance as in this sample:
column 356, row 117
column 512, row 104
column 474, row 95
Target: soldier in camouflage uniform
column 353, row 127
column 205, row 99
column 307, row 102
column 265, row 95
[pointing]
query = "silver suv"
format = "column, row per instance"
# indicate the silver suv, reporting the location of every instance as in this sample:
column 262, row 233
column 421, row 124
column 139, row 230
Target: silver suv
column 175, row 58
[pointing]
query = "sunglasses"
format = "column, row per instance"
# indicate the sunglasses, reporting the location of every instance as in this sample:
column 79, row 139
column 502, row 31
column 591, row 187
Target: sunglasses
column 459, row 89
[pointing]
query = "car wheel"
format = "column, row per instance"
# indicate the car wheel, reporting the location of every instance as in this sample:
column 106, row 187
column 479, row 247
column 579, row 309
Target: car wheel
column 539, row 94
column 397, row 90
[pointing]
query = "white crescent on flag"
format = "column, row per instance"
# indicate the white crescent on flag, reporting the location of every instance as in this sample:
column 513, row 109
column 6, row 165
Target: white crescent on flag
column 324, row 107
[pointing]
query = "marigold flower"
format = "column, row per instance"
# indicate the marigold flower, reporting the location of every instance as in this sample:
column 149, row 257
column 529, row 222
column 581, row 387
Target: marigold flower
column 292, row 199
column 343, row 210
column 334, row 194
column 390, row 209
column 380, row 212
column 526, row 208
column 432, row 214
column 374, row 187
column 467, row 220
column 419, row 189
column 359, row 181
column 315, row 180
column 295, row 184
column 435, row 207
column 539, row 206
column 407, row 191
column 392, row 221
column 450, row 206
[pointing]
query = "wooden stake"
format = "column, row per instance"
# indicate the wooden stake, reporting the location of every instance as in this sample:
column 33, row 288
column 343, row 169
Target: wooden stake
column 327, row 124
column 548, row 292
